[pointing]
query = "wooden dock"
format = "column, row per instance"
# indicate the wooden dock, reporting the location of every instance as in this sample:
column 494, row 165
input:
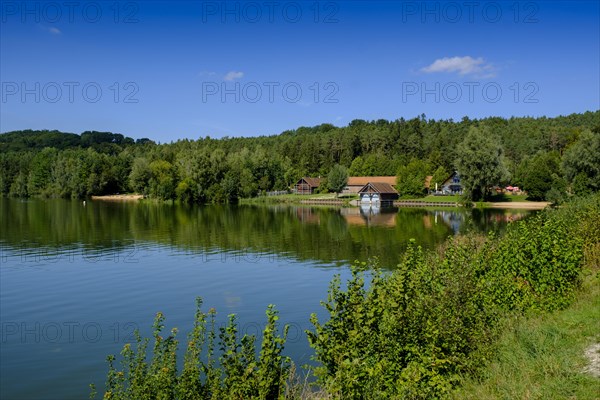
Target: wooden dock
column 409, row 203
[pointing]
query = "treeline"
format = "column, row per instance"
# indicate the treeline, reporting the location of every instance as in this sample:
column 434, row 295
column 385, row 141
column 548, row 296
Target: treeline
column 547, row 156
column 415, row 333
column 104, row 142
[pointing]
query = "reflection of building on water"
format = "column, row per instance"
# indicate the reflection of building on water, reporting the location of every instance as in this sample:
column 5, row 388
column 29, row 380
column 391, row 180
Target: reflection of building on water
column 308, row 215
column 451, row 218
column 428, row 221
column 352, row 215
column 367, row 209
column 370, row 215
column 373, row 215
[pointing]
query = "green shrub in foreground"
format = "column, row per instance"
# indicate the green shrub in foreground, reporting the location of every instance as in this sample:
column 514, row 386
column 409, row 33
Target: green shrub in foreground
column 538, row 263
column 408, row 335
column 239, row 375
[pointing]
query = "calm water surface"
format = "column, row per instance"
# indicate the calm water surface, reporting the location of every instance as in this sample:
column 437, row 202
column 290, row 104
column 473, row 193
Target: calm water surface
column 75, row 280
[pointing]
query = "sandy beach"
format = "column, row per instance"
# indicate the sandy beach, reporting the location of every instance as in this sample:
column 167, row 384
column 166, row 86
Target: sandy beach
column 119, row 197
column 530, row 205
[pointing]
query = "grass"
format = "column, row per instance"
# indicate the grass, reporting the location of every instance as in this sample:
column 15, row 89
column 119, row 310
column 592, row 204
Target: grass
column 502, row 198
column 296, row 198
column 543, row 357
column 436, row 199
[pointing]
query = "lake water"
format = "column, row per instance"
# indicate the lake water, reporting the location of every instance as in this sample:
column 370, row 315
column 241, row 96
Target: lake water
column 75, row 280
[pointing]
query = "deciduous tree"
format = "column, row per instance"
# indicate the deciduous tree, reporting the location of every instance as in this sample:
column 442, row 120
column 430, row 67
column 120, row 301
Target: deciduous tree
column 479, row 163
column 410, row 180
column 337, row 178
column 581, row 162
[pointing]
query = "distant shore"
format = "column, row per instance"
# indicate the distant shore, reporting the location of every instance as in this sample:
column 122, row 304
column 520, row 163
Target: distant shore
column 119, row 197
column 331, row 200
column 529, row 205
column 511, row 202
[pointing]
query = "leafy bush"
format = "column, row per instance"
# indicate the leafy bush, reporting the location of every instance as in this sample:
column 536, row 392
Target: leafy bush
column 239, row 375
column 538, row 264
column 407, row 335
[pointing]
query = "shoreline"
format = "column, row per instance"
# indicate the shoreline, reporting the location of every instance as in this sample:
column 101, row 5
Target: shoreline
column 118, row 197
column 523, row 205
column 529, row 205
column 340, row 202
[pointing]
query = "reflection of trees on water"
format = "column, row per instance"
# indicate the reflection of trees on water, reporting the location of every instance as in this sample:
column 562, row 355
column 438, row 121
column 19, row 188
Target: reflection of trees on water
column 485, row 220
column 479, row 220
column 304, row 233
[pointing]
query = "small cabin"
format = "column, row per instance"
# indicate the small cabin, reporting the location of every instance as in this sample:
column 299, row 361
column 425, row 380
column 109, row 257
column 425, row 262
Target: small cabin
column 307, row 185
column 378, row 194
column 452, row 185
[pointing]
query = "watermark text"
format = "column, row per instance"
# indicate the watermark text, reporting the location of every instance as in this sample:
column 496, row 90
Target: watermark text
column 52, row 12
column 68, row 92
column 454, row 92
column 254, row 92
column 252, row 12
column 518, row 12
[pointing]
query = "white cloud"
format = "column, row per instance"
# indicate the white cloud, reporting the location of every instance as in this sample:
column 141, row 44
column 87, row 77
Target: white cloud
column 462, row 65
column 54, row 31
column 233, row 75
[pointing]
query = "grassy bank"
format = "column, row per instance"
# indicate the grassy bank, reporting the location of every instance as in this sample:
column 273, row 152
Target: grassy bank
column 509, row 201
column 499, row 201
column 498, row 198
column 297, row 198
column 543, row 357
column 503, row 198
column 547, row 356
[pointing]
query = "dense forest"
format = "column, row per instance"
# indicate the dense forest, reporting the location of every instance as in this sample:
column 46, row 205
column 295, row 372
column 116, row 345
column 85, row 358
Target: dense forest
column 548, row 157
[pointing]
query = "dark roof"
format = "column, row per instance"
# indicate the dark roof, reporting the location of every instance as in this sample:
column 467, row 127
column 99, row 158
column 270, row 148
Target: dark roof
column 379, row 187
column 450, row 178
column 312, row 182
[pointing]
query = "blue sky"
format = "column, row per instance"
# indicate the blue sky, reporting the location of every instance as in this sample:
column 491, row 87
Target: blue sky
column 171, row 70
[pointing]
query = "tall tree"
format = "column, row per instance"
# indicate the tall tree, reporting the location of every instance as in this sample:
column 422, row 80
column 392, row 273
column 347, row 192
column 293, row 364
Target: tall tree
column 540, row 175
column 581, row 163
column 410, row 180
column 480, row 163
column 439, row 176
column 140, row 175
column 337, row 179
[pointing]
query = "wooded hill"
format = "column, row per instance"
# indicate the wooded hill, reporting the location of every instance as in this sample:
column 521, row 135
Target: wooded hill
column 549, row 157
